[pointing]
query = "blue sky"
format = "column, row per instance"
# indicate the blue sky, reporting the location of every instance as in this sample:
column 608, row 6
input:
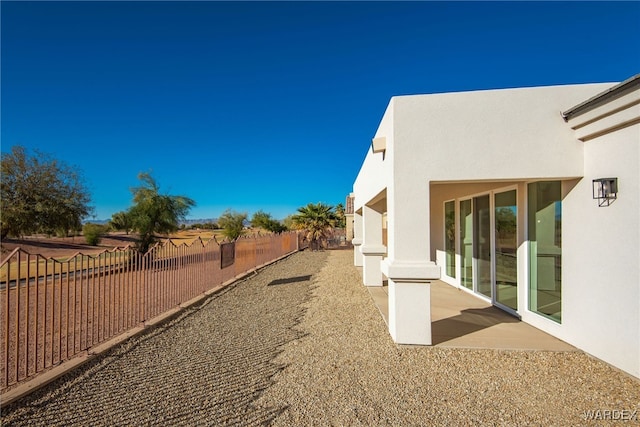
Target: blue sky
column 261, row 105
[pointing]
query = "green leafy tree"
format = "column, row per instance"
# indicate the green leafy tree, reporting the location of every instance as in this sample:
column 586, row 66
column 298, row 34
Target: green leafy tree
column 121, row 221
column 232, row 224
column 40, row 194
column 288, row 222
column 276, row 226
column 260, row 219
column 264, row 220
column 341, row 219
column 154, row 213
column 317, row 220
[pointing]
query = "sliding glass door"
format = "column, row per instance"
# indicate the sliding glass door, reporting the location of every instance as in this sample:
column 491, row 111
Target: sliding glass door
column 482, row 245
column 545, row 240
column 450, row 237
column 488, row 243
column 466, row 244
column 505, row 250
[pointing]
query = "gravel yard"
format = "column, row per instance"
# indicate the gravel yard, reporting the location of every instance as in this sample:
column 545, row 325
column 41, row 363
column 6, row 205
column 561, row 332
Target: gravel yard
column 346, row 370
column 301, row 343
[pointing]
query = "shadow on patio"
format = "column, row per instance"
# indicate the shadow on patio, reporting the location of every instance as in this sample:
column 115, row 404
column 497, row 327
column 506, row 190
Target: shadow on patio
column 461, row 320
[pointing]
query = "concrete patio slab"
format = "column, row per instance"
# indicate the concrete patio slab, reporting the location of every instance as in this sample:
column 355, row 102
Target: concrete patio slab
column 461, row 320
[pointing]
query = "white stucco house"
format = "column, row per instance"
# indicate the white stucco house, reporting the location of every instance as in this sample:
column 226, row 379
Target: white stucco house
column 528, row 198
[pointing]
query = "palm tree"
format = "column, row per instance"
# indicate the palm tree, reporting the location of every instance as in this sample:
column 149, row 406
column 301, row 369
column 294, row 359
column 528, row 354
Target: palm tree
column 317, row 220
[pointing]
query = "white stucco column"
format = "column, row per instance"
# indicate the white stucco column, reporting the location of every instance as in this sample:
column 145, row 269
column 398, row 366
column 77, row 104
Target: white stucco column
column 409, row 305
column 408, row 265
column 372, row 248
column 357, row 239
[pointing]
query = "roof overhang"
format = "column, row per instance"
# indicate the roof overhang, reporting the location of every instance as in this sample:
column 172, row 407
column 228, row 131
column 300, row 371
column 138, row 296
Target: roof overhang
column 610, row 94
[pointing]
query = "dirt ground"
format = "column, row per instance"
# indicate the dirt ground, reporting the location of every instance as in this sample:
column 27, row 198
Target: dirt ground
column 58, row 247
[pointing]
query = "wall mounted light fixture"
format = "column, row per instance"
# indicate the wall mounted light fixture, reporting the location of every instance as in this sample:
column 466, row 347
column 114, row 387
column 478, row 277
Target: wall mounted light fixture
column 605, row 190
column 379, row 145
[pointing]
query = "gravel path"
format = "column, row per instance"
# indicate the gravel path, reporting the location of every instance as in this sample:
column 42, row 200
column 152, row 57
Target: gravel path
column 204, row 367
column 301, row 343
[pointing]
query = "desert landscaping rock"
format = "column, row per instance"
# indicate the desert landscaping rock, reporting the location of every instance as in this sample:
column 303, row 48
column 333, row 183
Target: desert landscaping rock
column 301, row 343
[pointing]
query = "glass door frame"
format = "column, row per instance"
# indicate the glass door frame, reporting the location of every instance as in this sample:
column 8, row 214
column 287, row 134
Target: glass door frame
column 494, row 281
column 477, row 248
column 474, row 261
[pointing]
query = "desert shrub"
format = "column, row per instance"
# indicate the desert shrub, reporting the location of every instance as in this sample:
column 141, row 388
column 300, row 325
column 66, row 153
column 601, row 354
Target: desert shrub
column 93, row 233
column 204, row 226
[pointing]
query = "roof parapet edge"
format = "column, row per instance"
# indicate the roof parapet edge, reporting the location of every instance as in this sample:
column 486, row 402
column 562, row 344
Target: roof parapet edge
column 614, row 92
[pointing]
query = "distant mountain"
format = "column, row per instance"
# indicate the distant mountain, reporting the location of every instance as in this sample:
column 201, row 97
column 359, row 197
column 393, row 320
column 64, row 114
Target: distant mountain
column 185, row 222
column 96, row 221
column 198, row 221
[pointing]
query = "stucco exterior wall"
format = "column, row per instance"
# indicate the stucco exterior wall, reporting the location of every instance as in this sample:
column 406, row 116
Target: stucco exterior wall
column 501, row 134
column 601, row 255
column 376, row 171
column 448, row 146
